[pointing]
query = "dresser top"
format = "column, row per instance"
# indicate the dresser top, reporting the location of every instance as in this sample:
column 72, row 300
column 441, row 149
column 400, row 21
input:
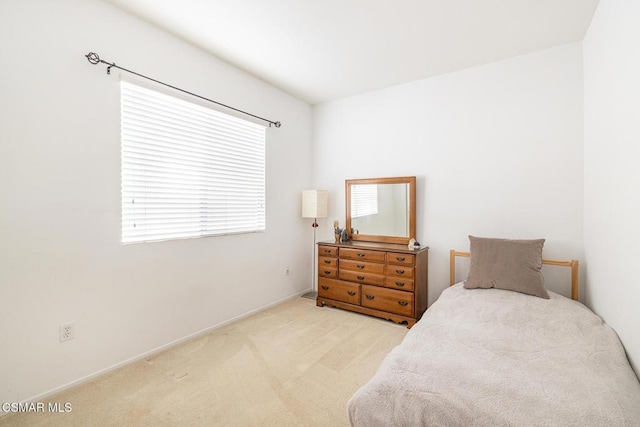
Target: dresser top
column 374, row 246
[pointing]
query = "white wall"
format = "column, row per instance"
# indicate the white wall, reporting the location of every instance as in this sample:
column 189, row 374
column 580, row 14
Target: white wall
column 497, row 151
column 60, row 256
column 611, row 172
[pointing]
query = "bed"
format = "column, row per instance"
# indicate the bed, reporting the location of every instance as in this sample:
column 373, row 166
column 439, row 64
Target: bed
column 495, row 357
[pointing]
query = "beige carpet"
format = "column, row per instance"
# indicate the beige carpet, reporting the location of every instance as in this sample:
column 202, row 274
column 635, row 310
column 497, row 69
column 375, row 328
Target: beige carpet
column 291, row 365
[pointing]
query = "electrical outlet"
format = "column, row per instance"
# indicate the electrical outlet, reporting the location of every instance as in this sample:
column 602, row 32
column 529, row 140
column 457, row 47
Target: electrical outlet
column 287, row 271
column 67, row 331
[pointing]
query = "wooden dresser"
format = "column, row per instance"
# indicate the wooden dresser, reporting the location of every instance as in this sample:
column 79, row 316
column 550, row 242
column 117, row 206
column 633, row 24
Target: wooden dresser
column 380, row 279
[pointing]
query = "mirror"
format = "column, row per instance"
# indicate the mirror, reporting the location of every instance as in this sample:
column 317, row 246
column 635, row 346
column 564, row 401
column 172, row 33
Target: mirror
column 381, row 209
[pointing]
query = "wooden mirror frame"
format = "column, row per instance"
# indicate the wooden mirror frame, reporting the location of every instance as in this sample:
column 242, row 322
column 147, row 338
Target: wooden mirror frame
column 411, row 180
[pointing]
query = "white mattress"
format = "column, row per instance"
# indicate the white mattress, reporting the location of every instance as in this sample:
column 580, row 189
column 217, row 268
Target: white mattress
column 489, row 357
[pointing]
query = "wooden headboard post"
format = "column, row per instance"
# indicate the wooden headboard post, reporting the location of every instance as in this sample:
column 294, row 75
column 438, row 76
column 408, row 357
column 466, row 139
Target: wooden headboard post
column 573, row 264
column 575, row 295
column 452, row 267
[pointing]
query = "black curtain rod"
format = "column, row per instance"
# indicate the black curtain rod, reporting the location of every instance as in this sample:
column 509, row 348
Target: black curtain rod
column 95, row 59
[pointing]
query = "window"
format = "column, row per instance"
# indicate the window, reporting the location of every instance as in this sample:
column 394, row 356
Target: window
column 188, row 171
column 364, row 200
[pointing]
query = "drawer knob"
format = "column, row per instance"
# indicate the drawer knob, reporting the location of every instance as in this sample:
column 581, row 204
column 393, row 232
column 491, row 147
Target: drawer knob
column 327, row 272
column 360, row 266
column 370, row 296
column 399, row 283
column 360, row 277
column 400, row 258
column 360, row 255
column 327, row 261
column 326, row 288
column 352, row 293
column 399, row 271
column 403, row 303
column 327, row 251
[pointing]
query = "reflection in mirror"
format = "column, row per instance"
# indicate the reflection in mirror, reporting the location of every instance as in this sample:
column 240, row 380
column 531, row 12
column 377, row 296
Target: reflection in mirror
column 381, row 209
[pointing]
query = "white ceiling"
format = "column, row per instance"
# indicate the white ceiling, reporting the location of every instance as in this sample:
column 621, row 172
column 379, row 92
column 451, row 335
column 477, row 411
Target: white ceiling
column 323, row 50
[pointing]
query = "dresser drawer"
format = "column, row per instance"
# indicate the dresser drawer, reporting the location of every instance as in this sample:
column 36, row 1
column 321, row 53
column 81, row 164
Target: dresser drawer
column 359, row 277
column 328, row 251
column 339, row 291
column 324, row 261
column 400, row 258
column 364, row 267
column 400, row 283
column 363, row 255
column 331, row 273
column 399, row 271
column 389, row 300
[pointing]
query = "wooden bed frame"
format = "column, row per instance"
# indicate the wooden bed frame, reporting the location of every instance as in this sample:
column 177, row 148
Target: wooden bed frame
column 573, row 264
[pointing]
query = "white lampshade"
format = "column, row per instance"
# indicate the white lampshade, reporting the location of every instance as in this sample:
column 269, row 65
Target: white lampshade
column 314, row 203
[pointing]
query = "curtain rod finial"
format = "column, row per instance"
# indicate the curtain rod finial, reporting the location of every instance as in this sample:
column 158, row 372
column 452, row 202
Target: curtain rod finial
column 278, row 124
column 92, row 57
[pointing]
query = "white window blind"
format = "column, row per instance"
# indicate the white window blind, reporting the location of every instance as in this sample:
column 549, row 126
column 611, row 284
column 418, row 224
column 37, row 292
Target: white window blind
column 364, row 200
column 188, row 171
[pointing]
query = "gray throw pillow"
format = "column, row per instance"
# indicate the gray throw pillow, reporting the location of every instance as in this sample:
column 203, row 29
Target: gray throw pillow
column 512, row 265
